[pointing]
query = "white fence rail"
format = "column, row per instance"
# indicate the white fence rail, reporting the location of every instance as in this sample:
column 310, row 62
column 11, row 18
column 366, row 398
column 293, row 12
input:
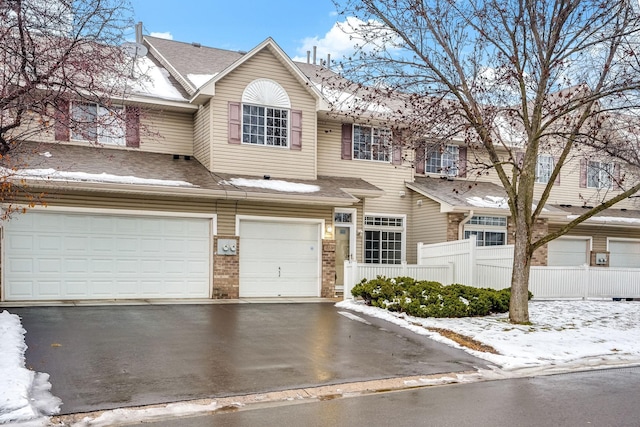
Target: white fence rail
column 490, row 267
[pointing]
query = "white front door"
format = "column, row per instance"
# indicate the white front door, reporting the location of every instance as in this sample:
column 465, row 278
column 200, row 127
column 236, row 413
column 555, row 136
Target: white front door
column 280, row 258
column 79, row 256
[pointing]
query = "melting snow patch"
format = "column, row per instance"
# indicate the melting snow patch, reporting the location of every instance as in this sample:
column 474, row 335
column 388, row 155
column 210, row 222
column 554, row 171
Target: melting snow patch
column 45, row 154
column 353, row 317
column 24, row 394
column 278, row 185
column 488, row 202
column 200, row 79
column 54, row 175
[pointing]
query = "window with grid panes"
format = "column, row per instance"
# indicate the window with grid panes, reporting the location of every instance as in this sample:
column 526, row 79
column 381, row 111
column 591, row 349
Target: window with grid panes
column 265, row 125
column 599, row 174
column 489, row 230
column 371, row 143
column 443, row 161
column 383, row 238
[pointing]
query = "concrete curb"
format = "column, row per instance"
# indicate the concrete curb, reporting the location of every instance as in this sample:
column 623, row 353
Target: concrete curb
column 203, row 407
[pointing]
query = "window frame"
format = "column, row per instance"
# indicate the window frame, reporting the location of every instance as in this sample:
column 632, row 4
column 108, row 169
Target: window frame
column 265, row 125
column 483, row 225
column 550, row 165
column 603, row 169
column 448, row 162
column 383, row 225
column 102, row 132
column 379, row 142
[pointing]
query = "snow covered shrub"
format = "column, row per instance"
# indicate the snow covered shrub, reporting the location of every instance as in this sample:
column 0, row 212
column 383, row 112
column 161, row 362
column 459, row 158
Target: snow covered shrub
column 432, row 299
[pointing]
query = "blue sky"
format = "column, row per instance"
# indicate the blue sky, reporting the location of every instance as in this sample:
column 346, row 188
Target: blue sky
column 296, row 25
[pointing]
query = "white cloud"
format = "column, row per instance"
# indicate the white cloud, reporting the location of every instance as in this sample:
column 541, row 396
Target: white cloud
column 162, row 35
column 339, row 41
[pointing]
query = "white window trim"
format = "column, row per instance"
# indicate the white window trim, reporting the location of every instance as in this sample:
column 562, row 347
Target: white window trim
column 600, row 172
column 552, row 164
column 621, row 239
column 389, row 153
column 403, row 255
column 101, row 128
column 487, row 228
column 443, row 171
column 351, row 226
column 242, row 133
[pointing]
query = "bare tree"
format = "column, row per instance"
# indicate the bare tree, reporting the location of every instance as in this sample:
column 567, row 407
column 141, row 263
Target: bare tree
column 510, row 78
column 53, row 52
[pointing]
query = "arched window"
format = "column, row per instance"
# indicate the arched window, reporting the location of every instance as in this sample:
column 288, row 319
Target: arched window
column 265, row 117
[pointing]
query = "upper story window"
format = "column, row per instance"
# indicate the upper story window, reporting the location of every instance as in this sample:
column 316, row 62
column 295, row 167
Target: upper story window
column 81, row 121
column 371, row 143
column 599, row 174
column 265, row 117
column 443, row 160
column 544, row 167
column 265, row 125
column 95, row 123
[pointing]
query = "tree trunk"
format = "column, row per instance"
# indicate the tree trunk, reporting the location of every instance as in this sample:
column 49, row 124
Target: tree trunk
column 519, row 302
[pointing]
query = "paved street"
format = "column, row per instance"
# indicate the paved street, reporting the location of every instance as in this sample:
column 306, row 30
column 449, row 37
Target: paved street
column 598, row 398
column 118, row 356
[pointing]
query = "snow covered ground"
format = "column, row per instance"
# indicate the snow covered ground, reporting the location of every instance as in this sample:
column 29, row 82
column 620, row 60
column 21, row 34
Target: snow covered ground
column 564, row 336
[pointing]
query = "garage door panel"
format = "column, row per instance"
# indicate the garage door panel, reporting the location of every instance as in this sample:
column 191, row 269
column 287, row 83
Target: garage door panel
column 567, row 252
column 279, row 258
column 106, row 256
column 624, row 253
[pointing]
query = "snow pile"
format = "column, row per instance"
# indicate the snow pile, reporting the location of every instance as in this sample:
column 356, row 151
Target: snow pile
column 566, row 335
column 55, row 175
column 154, row 81
column 489, row 202
column 277, row 185
column 200, row 79
column 24, row 394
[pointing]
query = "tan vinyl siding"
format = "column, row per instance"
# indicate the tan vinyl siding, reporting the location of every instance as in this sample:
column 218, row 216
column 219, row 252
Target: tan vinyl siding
column 428, row 225
column 261, row 160
column 166, row 132
column 91, row 200
column 388, row 177
column 567, row 192
column 228, row 210
column 600, row 234
column 202, row 135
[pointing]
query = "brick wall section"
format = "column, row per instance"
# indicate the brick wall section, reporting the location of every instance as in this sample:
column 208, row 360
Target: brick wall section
column 328, row 269
column 453, row 221
column 540, row 228
column 226, row 272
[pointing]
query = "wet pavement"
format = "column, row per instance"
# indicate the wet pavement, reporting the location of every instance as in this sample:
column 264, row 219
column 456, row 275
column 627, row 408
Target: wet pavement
column 107, row 357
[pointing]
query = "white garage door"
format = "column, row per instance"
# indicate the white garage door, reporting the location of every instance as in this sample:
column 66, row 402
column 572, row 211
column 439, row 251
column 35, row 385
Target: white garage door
column 568, row 252
column 279, row 259
column 624, row 253
column 52, row 256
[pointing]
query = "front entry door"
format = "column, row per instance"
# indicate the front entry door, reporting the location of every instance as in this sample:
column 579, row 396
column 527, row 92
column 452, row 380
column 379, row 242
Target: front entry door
column 343, row 252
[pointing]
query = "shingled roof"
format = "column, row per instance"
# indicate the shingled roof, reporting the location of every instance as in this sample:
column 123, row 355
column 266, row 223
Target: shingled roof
column 132, row 171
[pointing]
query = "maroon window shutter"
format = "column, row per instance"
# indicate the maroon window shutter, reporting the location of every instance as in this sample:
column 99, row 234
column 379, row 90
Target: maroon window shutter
column 583, row 173
column 462, row 162
column 347, row 141
column 61, row 125
column 420, row 159
column 235, row 122
column 616, row 176
column 132, row 115
column 555, row 163
column 296, row 130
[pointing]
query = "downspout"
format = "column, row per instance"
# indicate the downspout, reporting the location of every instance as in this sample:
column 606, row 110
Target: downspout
column 462, row 224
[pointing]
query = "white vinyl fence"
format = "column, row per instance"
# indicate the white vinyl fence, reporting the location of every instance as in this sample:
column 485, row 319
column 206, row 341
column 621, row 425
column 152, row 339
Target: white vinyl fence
column 463, row 262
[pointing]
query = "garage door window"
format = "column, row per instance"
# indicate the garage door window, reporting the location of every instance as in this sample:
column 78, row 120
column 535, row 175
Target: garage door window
column 383, row 239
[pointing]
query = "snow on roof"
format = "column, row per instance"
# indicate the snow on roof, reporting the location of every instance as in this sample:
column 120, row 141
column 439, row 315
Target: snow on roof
column 154, row 82
column 55, row 175
column 608, row 219
column 277, row 185
column 489, row 202
column 200, row 79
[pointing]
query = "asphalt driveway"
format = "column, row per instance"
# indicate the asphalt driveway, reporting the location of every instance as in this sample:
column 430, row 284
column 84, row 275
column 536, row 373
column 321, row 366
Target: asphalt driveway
column 107, row 357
